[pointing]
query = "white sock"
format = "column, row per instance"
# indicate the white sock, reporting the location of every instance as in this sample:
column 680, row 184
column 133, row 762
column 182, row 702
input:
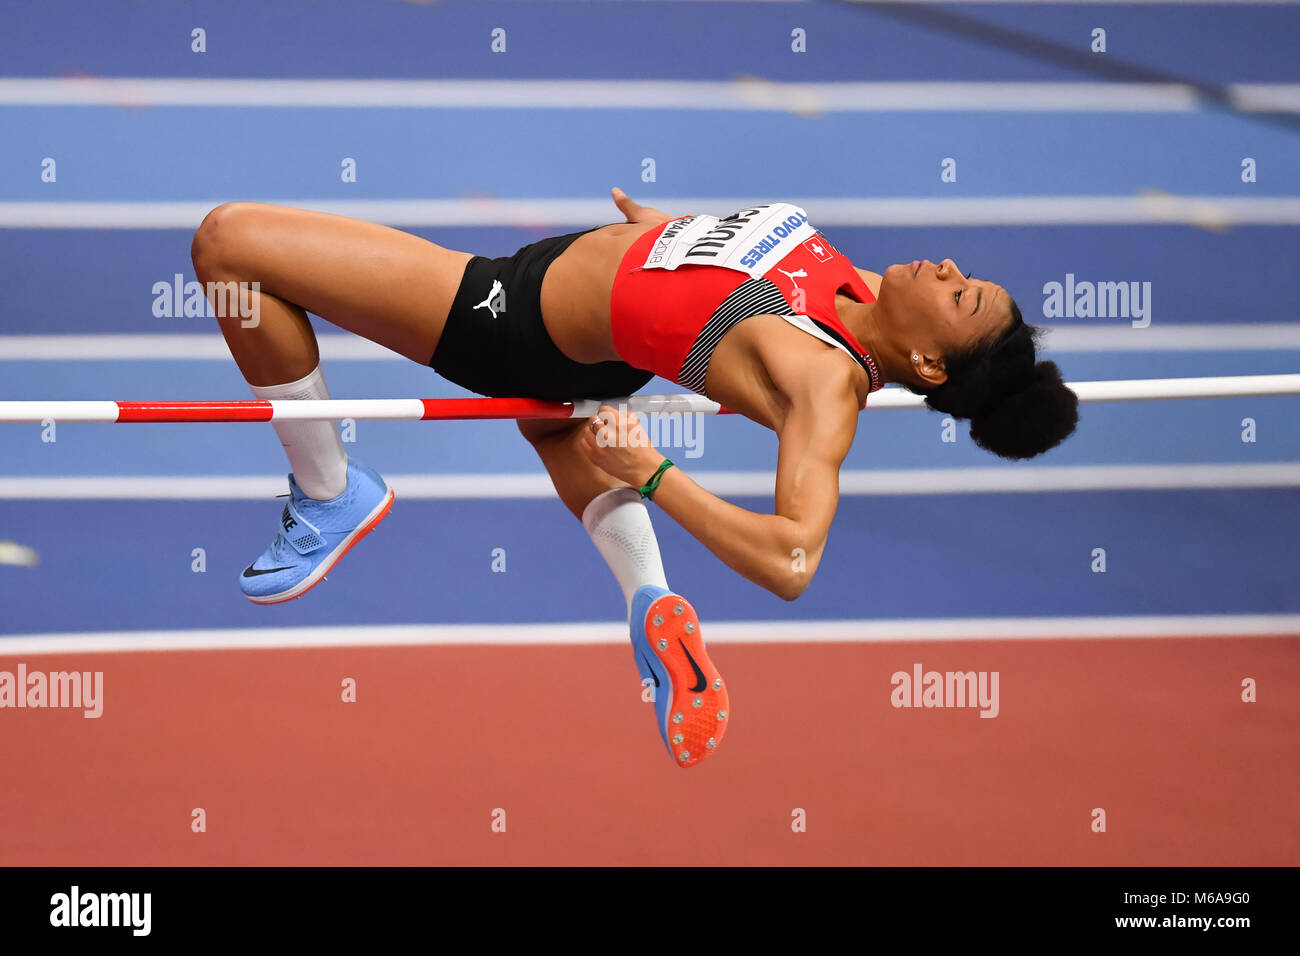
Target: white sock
column 316, row 455
column 619, row 525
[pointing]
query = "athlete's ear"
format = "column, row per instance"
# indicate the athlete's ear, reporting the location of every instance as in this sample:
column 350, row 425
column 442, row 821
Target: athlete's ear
column 930, row 369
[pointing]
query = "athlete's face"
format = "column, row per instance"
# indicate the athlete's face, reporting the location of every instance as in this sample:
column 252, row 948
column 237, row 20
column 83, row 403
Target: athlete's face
column 938, row 310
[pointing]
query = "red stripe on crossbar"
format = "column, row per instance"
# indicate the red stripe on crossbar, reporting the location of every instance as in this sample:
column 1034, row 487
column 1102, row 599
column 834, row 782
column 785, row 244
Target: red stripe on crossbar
column 242, row 411
column 434, row 409
column 472, row 408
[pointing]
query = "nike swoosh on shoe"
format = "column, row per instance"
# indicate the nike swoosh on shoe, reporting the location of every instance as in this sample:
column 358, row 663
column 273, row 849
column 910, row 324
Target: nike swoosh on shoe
column 251, row 572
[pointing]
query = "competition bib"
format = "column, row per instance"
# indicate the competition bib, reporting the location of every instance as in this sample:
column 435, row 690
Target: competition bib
column 751, row 241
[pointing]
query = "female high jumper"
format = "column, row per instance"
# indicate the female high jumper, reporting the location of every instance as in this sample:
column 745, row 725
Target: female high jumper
column 756, row 310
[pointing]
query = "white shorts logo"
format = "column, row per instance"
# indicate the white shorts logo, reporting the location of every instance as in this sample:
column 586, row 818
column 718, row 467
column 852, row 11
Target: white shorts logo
column 496, row 299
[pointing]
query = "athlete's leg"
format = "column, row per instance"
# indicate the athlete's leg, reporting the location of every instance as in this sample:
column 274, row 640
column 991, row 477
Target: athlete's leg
column 265, row 267
column 383, row 284
column 692, row 706
column 559, row 444
column 611, row 511
column 388, row 286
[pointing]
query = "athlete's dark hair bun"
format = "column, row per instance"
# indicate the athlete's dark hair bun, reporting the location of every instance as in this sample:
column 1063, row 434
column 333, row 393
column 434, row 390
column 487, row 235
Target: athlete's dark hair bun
column 1018, row 407
column 1029, row 420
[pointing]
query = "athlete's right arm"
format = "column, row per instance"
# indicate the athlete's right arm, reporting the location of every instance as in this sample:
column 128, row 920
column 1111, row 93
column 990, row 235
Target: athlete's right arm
column 779, row 552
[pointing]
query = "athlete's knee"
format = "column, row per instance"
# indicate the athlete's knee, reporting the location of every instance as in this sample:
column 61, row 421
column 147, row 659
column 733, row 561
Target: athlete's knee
column 218, row 236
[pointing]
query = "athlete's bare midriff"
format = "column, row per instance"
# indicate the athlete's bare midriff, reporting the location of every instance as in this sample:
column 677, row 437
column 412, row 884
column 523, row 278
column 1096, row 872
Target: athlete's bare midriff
column 575, row 301
column 577, row 288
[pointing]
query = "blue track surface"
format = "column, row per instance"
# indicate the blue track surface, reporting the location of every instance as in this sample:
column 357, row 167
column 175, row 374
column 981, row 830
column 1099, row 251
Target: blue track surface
column 889, row 557
column 1242, row 275
column 573, row 153
column 251, row 38
column 127, row 564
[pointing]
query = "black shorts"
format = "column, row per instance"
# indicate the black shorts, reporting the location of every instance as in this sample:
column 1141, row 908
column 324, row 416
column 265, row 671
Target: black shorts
column 495, row 343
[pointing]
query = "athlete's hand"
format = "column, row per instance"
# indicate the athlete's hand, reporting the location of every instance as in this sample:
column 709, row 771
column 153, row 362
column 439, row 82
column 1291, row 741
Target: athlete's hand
column 634, row 211
column 615, row 442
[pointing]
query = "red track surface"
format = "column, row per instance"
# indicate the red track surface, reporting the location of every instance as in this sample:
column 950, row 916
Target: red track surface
column 1153, row 731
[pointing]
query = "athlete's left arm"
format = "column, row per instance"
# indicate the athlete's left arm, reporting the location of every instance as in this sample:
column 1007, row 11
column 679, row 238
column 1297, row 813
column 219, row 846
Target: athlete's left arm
column 781, row 551
column 634, row 211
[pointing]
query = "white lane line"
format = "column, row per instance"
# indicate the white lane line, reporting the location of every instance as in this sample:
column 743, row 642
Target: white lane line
column 902, row 481
column 1185, row 337
column 210, row 346
column 741, row 94
column 1214, row 212
column 726, row 632
column 171, row 346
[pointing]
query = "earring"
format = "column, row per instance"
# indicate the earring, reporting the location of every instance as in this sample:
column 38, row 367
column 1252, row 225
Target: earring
column 915, row 357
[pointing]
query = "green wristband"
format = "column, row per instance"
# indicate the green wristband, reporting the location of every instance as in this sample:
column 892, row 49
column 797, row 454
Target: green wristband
column 650, row 487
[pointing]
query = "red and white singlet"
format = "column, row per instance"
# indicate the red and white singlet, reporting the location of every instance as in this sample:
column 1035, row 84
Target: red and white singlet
column 683, row 286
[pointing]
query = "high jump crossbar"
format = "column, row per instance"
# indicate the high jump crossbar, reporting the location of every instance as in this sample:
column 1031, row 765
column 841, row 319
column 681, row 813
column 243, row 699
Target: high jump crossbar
column 469, row 409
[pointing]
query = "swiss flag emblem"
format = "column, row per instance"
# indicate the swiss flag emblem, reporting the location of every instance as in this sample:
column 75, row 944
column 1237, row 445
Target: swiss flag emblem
column 819, row 247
